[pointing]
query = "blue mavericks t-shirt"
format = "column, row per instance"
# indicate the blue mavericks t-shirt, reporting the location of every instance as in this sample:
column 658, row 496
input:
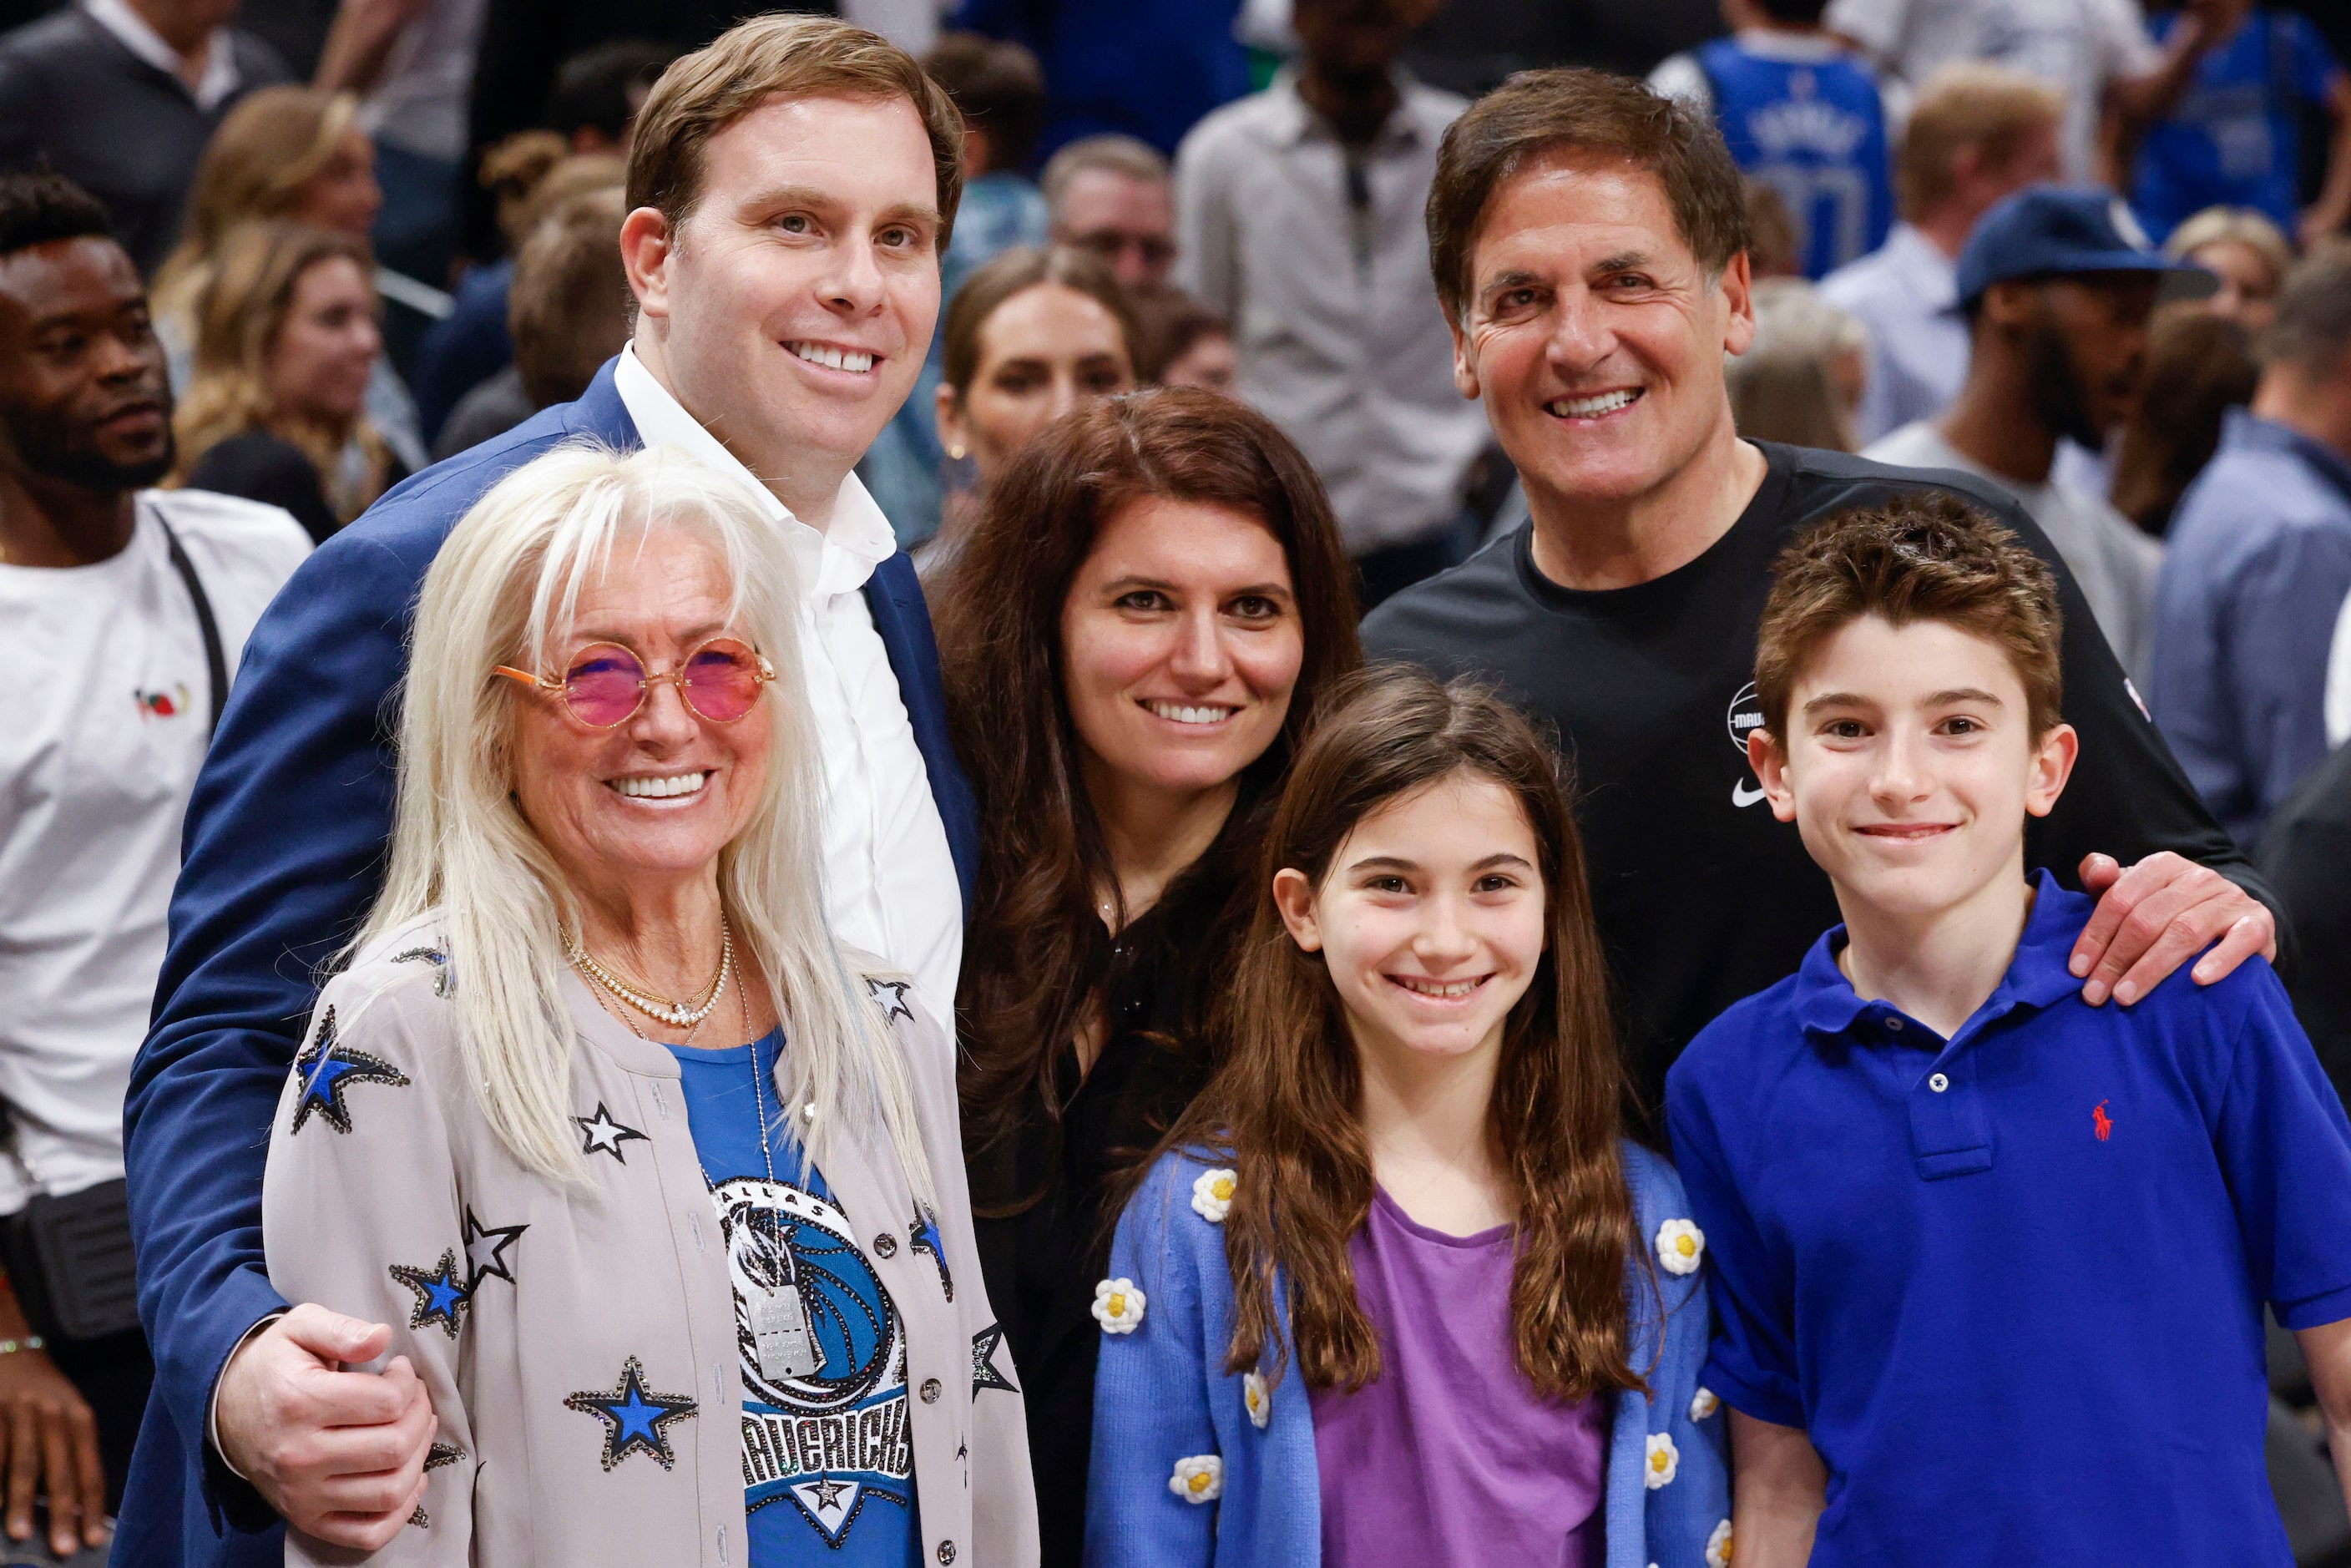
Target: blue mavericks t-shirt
column 827, row 1460
column 2235, row 136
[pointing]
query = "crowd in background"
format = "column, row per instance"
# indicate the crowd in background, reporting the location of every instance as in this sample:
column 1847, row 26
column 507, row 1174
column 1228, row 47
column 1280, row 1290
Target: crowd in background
column 373, row 236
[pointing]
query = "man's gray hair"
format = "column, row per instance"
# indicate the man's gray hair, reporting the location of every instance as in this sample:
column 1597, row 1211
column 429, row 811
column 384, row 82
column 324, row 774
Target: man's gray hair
column 2312, row 333
column 1124, row 155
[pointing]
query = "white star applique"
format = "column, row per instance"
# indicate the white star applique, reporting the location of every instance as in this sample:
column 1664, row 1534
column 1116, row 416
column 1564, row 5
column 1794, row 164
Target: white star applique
column 601, row 1133
column 485, row 1251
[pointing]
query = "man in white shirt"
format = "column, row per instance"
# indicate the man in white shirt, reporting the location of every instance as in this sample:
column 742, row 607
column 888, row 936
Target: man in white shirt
column 105, row 721
column 2095, row 52
column 1298, row 215
column 792, row 186
column 2059, row 283
column 1976, row 133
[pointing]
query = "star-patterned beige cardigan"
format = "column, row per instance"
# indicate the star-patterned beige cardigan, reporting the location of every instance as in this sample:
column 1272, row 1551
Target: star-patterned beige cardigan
column 580, row 1343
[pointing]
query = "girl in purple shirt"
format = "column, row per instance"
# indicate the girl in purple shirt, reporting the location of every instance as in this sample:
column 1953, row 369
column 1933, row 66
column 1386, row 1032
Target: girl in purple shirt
column 1396, row 1291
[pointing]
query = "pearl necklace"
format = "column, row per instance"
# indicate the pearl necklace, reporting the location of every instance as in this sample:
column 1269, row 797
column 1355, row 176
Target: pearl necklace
column 678, row 1015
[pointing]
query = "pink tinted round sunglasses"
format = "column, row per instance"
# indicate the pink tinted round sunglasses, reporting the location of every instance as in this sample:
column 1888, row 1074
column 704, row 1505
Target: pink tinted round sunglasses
column 606, row 683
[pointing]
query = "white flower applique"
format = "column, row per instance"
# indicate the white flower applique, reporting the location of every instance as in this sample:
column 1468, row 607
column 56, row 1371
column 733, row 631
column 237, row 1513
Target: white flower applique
column 1718, row 1546
column 1665, row 1462
column 1118, row 1306
column 1212, row 1196
column 1703, row 1404
column 1680, row 1246
column 1199, row 1478
column 1257, row 1399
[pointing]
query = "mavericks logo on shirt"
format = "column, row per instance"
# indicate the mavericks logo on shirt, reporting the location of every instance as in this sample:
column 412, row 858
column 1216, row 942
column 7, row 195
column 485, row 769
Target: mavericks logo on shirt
column 834, row 1439
column 1745, row 717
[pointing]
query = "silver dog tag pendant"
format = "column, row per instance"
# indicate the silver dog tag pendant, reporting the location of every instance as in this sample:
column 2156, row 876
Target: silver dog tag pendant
column 779, row 1333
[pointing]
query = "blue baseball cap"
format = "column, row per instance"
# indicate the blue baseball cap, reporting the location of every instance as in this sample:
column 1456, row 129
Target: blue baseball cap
column 2046, row 230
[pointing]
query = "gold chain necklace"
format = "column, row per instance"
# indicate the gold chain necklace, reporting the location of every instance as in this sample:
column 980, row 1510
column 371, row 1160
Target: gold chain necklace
column 677, row 1015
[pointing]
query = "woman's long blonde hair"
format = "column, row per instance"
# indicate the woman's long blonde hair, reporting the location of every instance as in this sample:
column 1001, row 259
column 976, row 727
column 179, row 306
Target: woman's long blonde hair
column 239, row 315
column 502, row 590
column 266, row 149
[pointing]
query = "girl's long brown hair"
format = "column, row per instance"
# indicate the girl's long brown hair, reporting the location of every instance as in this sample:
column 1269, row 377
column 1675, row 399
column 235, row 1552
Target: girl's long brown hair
column 1031, row 950
column 1283, row 1106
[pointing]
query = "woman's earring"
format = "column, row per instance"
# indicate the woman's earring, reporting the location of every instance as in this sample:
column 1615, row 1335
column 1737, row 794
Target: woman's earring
column 955, row 452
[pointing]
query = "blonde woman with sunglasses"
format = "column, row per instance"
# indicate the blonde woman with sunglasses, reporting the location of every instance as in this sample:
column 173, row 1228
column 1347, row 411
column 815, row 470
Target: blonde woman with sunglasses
column 657, row 1188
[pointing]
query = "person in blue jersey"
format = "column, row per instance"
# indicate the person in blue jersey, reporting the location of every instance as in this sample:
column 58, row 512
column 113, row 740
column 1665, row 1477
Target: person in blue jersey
column 1803, row 113
column 2235, row 136
column 656, row 1182
column 1991, row 1263
column 791, row 188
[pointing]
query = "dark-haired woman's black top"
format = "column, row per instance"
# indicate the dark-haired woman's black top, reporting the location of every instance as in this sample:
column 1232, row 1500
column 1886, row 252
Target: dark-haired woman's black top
column 1041, row 1263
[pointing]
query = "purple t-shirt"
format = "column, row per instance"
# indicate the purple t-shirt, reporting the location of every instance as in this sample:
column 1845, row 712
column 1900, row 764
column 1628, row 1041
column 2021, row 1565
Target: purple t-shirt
column 1449, row 1456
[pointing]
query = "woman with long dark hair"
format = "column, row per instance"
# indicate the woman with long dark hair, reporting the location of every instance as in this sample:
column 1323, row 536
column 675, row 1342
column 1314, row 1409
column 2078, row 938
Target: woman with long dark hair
column 1398, row 1291
column 1134, row 638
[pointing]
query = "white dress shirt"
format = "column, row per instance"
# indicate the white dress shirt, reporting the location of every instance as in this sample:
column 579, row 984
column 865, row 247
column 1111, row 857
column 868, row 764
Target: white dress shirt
column 221, row 76
column 1906, row 294
column 1335, row 322
column 2076, row 45
column 890, row 883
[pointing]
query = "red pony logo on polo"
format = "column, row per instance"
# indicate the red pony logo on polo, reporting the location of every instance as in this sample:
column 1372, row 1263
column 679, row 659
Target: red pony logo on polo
column 2100, row 1122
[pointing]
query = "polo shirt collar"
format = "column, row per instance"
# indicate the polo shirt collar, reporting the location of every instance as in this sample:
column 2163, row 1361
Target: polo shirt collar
column 2039, row 976
column 2245, row 431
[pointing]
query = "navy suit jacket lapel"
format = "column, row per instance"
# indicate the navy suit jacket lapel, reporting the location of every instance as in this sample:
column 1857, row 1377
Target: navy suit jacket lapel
column 895, row 596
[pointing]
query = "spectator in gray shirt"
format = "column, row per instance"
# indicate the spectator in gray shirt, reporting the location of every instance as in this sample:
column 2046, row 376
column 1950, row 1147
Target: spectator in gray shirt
column 1298, row 216
column 120, row 96
column 2259, row 562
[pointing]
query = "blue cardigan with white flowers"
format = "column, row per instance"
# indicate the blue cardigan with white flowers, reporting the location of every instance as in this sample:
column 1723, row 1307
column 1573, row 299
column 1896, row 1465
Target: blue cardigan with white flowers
column 1162, row 1397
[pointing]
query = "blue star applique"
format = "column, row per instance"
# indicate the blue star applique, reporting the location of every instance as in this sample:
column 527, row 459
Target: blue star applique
column 983, row 1361
column 441, row 1296
column 633, row 1415
column 890, row 996
column 433, row 955
column 329, row 1068
column 922, row 1235
column 485, row 1251
column 601, row 1133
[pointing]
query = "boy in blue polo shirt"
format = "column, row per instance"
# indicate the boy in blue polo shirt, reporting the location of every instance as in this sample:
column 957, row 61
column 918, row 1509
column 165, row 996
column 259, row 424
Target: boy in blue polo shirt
column 1990, row 1261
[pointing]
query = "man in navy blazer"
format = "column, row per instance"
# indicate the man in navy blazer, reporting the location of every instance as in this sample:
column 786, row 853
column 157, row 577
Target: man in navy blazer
column 792, row 186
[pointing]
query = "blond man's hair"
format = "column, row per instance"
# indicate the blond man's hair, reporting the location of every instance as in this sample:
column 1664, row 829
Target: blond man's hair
column 1971, row 105
column 781, row 55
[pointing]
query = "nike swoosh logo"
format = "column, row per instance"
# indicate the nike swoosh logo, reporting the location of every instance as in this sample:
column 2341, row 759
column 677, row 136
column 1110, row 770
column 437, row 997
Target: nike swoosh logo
column 1742, row 794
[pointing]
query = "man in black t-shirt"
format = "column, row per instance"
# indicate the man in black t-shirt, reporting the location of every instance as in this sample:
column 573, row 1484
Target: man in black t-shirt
column 1589, row 245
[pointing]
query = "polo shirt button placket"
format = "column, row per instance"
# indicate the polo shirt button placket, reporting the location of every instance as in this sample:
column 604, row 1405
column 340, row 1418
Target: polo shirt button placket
column 1948, row 1134
column 1938, row 1083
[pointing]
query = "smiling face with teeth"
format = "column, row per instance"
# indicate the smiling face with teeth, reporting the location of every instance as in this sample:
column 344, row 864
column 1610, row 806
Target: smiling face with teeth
column 1433, row 920
column 1180, row 645
column 1595, row 338
column 647, row 805
column 791, row 309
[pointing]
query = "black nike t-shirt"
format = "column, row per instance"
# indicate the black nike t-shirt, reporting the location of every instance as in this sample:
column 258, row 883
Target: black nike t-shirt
column 1702, row 895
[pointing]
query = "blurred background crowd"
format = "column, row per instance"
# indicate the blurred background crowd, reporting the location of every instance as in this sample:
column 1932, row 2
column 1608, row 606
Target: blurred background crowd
column 379, row 232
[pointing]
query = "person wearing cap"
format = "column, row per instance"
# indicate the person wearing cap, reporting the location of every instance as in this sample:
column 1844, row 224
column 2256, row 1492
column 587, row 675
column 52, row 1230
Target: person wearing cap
column 2057, row 283
column 1588, row 239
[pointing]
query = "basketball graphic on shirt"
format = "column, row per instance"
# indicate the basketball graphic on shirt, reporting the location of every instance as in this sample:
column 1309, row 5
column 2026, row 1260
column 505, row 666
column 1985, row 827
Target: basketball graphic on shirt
column 850, row 1314
column 1745, row 716
column 833, row 1442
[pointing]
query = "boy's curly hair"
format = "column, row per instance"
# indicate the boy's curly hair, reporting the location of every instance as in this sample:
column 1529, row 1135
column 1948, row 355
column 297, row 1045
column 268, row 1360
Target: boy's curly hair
column 1927, row 556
